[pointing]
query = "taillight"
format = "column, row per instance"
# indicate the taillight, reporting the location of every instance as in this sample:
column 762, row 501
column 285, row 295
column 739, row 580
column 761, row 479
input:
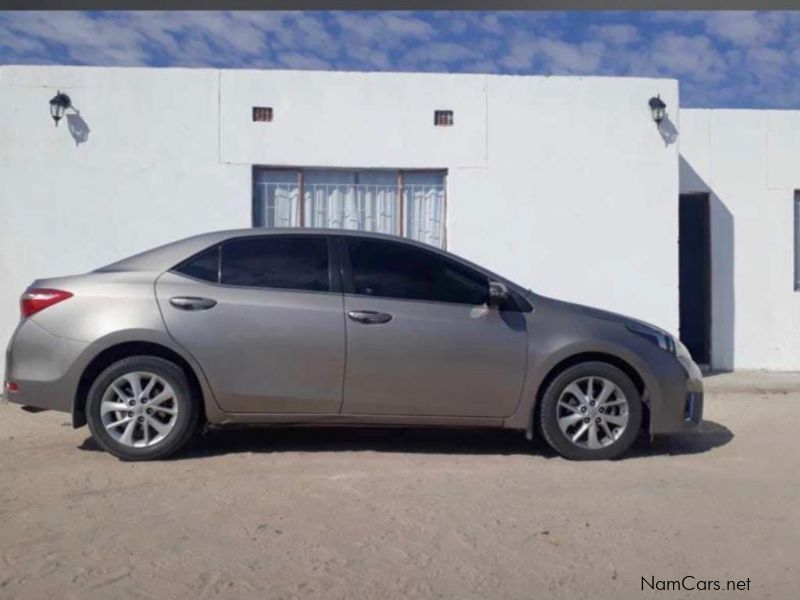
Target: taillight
column 36, row 300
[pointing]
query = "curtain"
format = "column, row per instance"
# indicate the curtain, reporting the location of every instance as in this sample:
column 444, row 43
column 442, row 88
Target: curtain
column 378, row 201
column 277, row 197
column 360, row 200
column 423, row 198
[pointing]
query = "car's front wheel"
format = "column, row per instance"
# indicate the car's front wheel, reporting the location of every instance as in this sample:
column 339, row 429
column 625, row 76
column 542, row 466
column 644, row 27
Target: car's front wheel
column 140, row 408
column 591, row 411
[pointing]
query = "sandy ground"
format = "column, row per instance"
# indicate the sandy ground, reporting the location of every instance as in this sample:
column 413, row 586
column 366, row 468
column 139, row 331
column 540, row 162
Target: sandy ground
column 335, row 513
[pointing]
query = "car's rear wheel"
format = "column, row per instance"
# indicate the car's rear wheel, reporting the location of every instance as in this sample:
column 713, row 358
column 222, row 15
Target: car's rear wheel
column 591, row 411
column 141, row 408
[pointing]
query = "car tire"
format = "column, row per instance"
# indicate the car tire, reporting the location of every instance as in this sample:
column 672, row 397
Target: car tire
column 591, row 397
column 151, row 399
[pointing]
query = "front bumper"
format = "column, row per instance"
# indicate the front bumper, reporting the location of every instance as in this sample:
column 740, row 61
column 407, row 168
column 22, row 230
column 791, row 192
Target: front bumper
column 693, row 398
column 681, row 398
column 693, row 409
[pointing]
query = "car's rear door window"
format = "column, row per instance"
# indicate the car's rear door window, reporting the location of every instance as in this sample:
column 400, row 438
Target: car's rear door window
column 283, row 262
column 393, row 270
column 203, row 266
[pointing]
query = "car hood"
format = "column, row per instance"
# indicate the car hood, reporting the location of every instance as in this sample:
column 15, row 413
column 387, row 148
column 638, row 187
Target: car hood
column 597, row 313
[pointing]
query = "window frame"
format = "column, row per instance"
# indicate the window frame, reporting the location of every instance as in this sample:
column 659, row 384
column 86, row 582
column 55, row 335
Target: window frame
column 255, row 210
column 348, row 281
column 334, row 271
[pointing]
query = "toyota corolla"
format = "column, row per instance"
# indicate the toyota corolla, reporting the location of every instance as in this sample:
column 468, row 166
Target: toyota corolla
column 310, row 327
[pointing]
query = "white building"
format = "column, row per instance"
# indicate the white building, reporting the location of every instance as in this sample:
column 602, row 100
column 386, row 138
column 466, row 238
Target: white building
column 564, row 184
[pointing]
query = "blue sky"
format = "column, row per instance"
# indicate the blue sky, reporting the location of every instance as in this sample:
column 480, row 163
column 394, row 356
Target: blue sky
column 731, row 59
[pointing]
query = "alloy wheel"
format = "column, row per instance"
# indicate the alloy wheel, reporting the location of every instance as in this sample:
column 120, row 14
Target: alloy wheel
column 139, row 409
column 592, row 412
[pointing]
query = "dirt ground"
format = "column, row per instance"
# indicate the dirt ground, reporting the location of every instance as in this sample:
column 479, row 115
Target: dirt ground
column 342, row 513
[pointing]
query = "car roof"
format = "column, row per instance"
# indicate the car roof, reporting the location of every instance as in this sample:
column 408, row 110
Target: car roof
column 167, row 256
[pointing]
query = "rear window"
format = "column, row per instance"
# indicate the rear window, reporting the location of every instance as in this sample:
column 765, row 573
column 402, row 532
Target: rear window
column 290, row 262
column 203, row 266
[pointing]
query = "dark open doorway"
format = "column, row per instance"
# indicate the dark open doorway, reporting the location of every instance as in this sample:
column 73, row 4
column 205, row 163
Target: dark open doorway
column 694, row 260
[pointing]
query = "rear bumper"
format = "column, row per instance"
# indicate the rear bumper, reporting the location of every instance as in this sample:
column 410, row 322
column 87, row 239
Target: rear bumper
column 42, row 366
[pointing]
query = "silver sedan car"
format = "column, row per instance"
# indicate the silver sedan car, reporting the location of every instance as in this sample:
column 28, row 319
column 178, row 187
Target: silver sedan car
column 290, row 327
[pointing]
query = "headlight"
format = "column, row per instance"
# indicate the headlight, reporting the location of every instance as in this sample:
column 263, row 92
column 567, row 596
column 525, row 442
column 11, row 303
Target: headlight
column 682, row 351
column 659, row 338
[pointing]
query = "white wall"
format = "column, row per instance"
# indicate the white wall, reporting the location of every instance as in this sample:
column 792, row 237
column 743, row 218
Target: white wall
column 748, row 161
column 561, row 183
column 579, row 197
column 550, row 178
column 353, row 119
column 148, row 173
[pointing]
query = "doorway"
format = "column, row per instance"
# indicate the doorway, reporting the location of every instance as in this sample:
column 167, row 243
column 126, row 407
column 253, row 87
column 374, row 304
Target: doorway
column 694, row 266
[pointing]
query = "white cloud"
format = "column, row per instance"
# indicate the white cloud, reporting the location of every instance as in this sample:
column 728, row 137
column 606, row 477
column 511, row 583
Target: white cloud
column 491, row 23
column 694, row 56
column 297, row 60
column 565, row 58
column 368, row 57
column 682, row 17
column 83, row 38
column 440, row 52
column 387, row 28
column 552, row 55
column 406, row 26
column 738, row 27
column 482, row 66
column 312, row 35
column 520, row 55
column 733, row 58
column 20, row 44
column 743, row 28
column 767, row 63
column 457, row 25
column 619, row 35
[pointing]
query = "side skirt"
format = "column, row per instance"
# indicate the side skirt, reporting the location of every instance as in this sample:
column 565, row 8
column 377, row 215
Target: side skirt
column 349, row 420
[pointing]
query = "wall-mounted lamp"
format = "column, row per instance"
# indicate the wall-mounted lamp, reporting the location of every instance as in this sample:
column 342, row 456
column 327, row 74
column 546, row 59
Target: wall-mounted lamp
column 658, row 109
column 58, row 105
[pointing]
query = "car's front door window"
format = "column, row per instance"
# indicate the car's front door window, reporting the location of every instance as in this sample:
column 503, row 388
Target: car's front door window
column 391, row 270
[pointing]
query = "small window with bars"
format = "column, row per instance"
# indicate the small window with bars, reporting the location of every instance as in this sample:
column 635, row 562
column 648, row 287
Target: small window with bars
column 443, row 118
column 262, row 113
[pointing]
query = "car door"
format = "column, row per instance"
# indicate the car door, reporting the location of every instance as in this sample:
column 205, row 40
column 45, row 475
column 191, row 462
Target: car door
column 421, row 339
column 263, row 317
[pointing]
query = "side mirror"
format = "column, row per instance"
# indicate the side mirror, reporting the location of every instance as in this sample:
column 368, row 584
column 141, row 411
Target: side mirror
column 498, row 294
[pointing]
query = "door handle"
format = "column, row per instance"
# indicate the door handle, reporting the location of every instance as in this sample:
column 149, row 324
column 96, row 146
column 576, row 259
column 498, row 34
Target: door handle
column 369, row 317
column 192, row 303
